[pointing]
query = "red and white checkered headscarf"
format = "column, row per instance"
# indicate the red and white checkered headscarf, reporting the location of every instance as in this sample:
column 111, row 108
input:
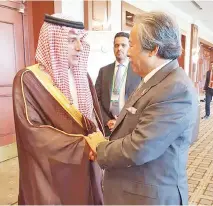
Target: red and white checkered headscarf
column 52, row 54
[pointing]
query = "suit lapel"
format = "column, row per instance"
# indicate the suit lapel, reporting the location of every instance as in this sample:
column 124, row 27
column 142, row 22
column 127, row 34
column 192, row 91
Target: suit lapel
column 133, row 80
column 133, row 98
column 158, row 77
column 109, row 76
column 128, row 81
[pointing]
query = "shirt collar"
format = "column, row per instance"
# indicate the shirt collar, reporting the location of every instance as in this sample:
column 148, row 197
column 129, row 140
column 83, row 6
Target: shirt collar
column 126, row 63
column 152, row 73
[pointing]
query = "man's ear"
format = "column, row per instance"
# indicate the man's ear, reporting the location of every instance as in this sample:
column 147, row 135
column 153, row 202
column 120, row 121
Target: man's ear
column 154, row 51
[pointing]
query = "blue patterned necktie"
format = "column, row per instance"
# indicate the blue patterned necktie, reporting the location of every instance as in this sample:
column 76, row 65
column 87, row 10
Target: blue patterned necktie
column 119, row 78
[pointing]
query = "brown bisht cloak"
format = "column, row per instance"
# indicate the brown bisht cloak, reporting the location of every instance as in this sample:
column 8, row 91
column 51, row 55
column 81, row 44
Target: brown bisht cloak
column 52, row 152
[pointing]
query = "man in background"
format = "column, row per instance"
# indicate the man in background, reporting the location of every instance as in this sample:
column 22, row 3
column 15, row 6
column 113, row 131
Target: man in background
column 208, row 88
column 116, row 82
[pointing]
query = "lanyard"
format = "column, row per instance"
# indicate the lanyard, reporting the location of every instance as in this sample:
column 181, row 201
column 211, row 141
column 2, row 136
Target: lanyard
column 122, row 81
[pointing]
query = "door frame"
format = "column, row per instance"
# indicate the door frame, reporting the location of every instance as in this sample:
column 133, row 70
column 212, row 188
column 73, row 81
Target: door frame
column 29, row 47
column 10, row 151
column 27, row 20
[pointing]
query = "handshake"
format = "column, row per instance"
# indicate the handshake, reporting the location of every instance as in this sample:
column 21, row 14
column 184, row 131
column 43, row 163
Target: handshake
column 93, row 141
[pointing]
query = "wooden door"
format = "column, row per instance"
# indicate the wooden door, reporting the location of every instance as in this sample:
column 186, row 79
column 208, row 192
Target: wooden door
column 12, row 59
column 203, row 66
column 181, row 59
column 39, row 9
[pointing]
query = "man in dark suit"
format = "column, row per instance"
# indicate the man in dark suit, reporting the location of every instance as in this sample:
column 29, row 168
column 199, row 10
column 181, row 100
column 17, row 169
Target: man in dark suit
column 146, row 156
column 116, row 82
column 208, row 88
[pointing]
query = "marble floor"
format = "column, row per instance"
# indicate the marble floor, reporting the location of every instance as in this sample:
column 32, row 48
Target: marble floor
column 200, row 164
column 9, row 173
column 200, row 170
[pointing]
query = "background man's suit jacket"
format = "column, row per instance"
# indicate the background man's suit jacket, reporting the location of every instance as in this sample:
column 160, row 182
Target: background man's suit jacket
column 145, row 161
column 206, row 86
column 103, row 88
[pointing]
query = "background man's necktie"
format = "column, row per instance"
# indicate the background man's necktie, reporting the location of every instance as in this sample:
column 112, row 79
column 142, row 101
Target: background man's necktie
column 119, row 78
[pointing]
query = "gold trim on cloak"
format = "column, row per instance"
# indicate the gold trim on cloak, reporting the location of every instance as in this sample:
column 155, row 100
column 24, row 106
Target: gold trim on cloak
column 10, row 151
column 41, row 126
column 56, row 93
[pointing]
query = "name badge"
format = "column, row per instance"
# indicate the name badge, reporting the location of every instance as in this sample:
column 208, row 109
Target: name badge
column 114, row 97
column 115, row 104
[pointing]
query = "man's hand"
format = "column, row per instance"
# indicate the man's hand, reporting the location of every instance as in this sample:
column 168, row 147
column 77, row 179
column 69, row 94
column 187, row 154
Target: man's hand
column 92, row 155
column 94, row 140
column 111, row 124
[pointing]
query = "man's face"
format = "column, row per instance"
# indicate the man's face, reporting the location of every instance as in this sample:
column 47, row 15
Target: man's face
column 74, row 49
column 137, row 56
column 121, row 46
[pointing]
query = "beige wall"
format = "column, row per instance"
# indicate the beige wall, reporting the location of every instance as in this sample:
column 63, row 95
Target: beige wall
column 76, row 8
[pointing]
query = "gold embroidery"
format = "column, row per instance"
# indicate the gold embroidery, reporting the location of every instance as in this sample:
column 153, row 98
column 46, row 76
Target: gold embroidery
column 56, row 93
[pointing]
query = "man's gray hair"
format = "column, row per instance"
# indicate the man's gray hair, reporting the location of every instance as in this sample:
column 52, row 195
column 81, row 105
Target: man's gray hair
column 159, row 29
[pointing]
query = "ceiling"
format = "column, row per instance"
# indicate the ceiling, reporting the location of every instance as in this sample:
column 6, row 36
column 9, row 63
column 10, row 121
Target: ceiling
column 204, row 15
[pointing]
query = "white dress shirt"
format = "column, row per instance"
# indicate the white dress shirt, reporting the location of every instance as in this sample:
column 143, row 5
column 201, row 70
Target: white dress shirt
column 74, row 95
column 152, row 73
column 123, row 86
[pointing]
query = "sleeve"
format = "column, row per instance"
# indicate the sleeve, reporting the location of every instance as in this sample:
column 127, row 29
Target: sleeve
column 98, row 86
column 38, row 137
column 45, row 139
column 159, row 125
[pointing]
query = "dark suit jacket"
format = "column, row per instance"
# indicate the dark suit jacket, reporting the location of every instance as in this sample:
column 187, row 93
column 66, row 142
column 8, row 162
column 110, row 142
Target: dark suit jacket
column 206, row 87
column 145, row 161
column 103, row 88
